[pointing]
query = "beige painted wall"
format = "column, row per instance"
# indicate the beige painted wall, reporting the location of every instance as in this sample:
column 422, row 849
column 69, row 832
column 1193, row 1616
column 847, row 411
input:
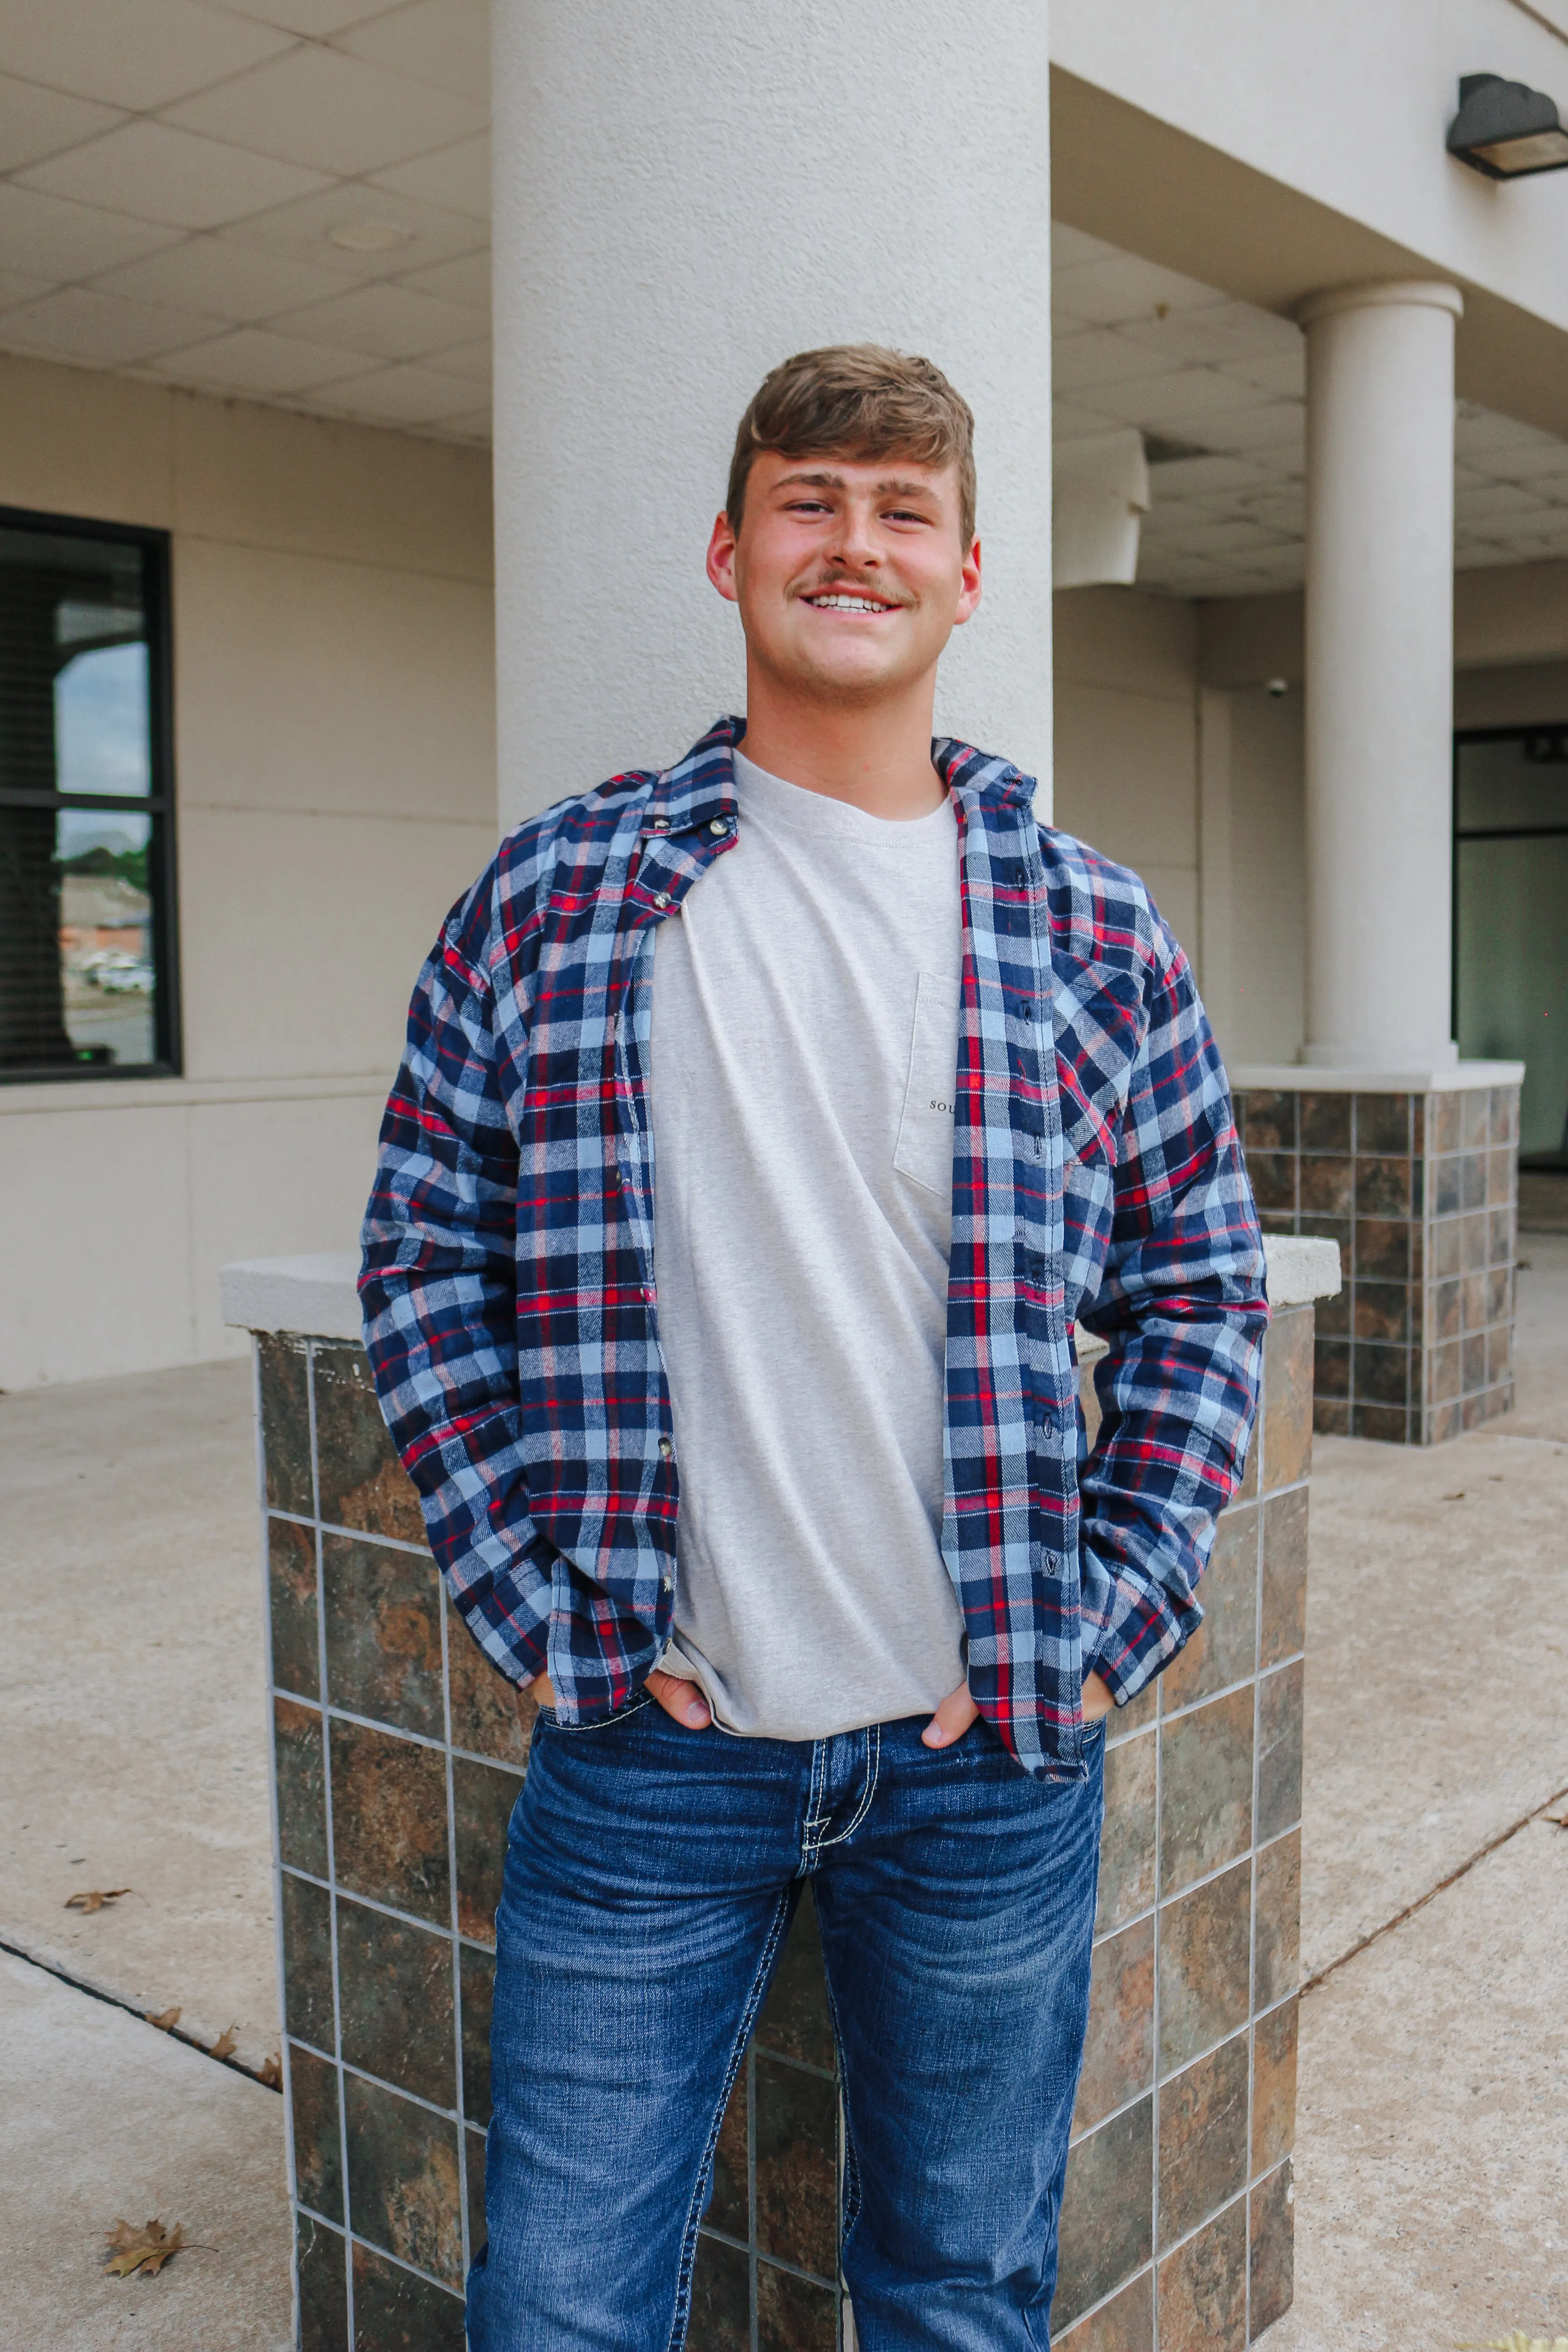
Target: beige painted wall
column 335, row 787
column 1126, row 739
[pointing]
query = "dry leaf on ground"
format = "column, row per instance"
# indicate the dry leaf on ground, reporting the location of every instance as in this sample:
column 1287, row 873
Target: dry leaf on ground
column 165, row 2024
column 227, row 2043
column 271, row 2074
column 145, row 2250
column 94, row 1899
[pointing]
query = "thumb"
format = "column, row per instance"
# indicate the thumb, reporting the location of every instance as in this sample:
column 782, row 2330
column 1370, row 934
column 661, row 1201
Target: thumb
column 951, row 1719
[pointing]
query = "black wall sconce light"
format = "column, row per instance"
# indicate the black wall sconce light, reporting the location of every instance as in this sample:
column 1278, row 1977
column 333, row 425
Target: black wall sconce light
column 1506, row 130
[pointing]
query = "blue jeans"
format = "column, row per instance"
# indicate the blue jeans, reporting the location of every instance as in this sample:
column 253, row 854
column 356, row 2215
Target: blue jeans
column 651, row 1874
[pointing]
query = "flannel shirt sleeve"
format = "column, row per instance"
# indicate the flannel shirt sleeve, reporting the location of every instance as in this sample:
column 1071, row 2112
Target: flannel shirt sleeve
column 1182, row 1307
column 438, row 1290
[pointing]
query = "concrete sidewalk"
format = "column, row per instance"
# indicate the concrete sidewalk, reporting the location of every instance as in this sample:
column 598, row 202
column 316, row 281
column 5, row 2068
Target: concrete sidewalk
column 1431, row 2175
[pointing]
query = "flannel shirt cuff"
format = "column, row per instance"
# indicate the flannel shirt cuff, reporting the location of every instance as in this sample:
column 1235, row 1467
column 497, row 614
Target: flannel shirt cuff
column 1131, row 1632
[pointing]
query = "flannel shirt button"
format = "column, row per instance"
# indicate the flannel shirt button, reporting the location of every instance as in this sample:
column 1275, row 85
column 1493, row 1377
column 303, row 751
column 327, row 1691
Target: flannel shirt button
column 666, row 1448
column 662, row 899
column 717, row 826
column 668, row 1581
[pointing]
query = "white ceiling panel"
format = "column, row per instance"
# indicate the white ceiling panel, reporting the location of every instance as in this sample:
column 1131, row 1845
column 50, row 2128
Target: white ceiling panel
column 458, row 177
column 49, row 236
column 1072, row 247
column 15, row 287
column 1110, row 293
column 226, row 281
column 402, row 396
column 386, row 322
column 330, row 112
column 474, row 427
column 250, row 360
column 304, row 232
column 96, row 329
column 444, row 42
column 470, row 360
column 156, row 173
column 1096, row 355
column 135, row 53
column 466, row 280
column 36, row 122
column 315, row 20
column 1171, row 403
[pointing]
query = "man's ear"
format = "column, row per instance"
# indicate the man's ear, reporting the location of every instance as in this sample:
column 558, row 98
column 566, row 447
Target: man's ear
column 969, row 590
column 722, row 559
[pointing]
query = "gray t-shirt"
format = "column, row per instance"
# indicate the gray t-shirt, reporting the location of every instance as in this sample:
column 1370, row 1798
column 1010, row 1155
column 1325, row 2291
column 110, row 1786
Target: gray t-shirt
column 804, row 1049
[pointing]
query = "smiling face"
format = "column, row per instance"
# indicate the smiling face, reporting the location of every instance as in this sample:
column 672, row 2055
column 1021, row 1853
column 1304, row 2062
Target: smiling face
column 850, row 574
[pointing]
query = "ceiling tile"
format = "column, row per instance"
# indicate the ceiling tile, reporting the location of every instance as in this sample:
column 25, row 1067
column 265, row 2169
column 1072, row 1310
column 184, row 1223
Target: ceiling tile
column 62, row 240
column 1162, row 403
column 251, row 360
column 1229, row 331
column 303, row 230
column 1099, row 355
column 467, row 280
column 1071, row 248
column 15, row 287
column 36, row 122
column 140, row 58
column 1218, row 540
column 156, row 173
column 1545, row 456
column 1282, row 373
column 402, row 396
column 331, row 112
column 384, row 322
column 1113, row 293
column 315, row 19
column 1192, row 478
column 226, row 281
column 1070, row 421
column 1281, row 429
column 471, row 361
column 79, row 325
column 445, row 42
column 458, row 177
column 476, row 426
column 1500, row 502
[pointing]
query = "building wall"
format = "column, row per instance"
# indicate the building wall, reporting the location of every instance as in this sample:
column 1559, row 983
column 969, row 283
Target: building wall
column 1127, row 741
column 335, row 787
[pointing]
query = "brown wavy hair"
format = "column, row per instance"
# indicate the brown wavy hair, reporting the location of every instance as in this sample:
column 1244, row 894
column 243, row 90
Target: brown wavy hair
column 859, row 401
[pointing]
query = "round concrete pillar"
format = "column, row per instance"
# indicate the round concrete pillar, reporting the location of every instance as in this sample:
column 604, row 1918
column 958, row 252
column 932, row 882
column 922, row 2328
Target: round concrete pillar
column 683, row 196
column 1378, row 685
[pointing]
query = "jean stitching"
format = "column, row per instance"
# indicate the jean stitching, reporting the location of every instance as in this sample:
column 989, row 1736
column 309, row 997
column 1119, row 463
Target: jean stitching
column 605, row 1723
column 853, row 2195
column 737, row 2056
column 873, row 1761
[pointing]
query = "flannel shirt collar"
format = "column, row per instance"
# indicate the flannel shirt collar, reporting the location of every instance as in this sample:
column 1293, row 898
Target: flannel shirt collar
column 697, row 793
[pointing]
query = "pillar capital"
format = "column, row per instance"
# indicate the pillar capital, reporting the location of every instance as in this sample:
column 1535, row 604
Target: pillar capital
column 1380, row 293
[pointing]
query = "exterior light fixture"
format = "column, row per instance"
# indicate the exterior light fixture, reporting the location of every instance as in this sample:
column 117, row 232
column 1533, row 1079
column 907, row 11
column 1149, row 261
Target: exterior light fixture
column 1506, row 130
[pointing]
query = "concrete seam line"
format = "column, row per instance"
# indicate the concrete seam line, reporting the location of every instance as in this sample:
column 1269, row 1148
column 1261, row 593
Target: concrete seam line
column 115, row 2001
column 1421, row 1901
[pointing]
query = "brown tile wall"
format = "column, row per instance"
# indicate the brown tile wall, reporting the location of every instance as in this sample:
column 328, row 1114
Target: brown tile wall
column 1176, row 2221
column 398, row 1753
column 1421, row 1193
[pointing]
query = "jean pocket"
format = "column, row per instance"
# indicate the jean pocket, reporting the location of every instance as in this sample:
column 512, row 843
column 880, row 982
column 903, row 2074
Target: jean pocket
column 552, row 1721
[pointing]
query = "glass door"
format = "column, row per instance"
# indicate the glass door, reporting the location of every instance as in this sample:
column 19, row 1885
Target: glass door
column 1510, row 920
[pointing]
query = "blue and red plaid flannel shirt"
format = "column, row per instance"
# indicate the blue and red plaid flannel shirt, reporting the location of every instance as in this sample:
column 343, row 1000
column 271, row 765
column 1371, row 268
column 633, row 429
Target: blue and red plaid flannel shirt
column 510, row 1294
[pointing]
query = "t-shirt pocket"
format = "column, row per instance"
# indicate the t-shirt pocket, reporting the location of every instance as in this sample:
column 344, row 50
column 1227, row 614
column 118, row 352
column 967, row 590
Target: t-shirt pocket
column 924, row 1152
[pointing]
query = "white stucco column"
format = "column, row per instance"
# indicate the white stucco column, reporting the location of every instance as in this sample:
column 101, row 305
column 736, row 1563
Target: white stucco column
column 685, row 194
column 1378, row 685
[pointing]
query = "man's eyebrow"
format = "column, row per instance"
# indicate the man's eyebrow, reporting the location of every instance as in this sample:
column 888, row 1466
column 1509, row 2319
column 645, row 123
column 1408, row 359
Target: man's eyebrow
column 824, row 481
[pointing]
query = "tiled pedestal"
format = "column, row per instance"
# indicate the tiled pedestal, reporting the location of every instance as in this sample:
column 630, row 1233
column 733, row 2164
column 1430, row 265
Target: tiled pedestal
column 398, row 1754
column 1416, row 1180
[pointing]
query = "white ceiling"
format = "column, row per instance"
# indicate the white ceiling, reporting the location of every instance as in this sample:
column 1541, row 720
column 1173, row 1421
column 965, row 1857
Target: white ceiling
column 289, row 200
column 285, row 199
column 1136, row 344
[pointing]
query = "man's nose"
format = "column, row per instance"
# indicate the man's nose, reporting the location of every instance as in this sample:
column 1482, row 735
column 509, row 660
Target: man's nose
column 854, row 542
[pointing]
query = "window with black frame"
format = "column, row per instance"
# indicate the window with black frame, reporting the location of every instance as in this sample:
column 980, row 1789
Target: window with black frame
column 1510, row 920
column 87, row 910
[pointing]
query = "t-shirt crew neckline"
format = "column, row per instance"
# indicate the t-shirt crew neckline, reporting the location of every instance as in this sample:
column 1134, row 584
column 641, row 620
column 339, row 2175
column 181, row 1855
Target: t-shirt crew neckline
column 778, row 802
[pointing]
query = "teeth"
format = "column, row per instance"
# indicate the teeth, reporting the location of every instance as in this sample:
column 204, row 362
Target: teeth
column 847, row 604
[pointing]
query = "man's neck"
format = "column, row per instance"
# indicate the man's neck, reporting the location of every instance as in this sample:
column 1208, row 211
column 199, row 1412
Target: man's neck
column 879, row 758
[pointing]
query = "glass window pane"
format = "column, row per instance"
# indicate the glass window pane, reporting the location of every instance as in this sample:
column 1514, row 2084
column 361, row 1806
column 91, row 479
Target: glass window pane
column 78, row 979
column 1513, row 784
column 74, row 704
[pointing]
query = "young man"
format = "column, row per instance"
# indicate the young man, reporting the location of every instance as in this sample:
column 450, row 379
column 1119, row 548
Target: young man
column 765, row 1125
